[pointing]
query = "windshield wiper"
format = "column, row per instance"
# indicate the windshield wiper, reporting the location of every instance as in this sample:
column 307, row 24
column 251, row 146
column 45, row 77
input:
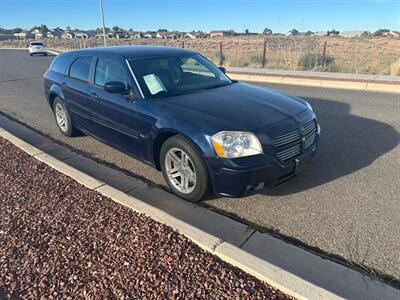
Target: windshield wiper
column 188, row 92
column 218, row 85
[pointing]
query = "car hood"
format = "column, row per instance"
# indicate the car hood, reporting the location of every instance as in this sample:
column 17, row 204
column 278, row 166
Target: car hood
column 239, row 106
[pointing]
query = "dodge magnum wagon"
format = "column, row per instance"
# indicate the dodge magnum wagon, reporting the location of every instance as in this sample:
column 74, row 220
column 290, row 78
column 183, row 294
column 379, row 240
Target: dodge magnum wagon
column 176, row 111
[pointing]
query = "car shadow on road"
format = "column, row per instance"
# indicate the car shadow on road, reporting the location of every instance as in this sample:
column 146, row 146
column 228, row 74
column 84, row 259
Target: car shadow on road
column 348, row 143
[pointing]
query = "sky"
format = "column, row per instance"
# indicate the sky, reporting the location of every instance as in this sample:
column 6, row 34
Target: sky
column 206, row 15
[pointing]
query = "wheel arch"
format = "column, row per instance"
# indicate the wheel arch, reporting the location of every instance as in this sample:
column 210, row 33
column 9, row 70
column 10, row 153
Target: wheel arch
column 163, row 136
column 55, row 92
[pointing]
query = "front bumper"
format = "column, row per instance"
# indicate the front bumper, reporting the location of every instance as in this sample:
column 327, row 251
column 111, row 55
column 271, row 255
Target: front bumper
column 250, row 175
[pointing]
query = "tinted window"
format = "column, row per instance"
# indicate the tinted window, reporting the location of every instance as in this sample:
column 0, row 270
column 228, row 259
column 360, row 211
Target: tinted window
column 37, row 44
column 80, row 68
column 60, row 64
column 110, row 70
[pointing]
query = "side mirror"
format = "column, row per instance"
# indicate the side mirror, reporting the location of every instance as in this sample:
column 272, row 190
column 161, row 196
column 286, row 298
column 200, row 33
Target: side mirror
column 115, row 87
column 222, row 69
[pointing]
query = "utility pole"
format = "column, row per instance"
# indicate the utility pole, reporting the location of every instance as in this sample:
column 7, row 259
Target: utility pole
column 102, row 19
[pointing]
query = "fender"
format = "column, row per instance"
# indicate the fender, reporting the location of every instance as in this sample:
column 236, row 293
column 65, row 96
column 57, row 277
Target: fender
column 55, row 91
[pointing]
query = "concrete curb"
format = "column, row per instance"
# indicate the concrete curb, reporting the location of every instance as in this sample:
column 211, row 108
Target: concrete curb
column 324, row 83
column 206, row 241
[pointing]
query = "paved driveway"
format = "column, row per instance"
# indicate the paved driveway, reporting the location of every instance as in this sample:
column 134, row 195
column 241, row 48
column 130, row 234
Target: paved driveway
column 347, row 203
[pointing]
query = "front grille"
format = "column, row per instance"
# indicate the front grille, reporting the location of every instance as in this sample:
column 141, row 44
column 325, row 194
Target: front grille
column 287, row 138
column 289, row 152
column 291, row 144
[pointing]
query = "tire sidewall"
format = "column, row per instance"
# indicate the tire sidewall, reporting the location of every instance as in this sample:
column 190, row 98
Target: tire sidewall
column 69, row 131
column 202, row 180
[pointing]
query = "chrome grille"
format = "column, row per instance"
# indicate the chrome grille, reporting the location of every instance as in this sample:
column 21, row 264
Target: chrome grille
column 290, row 144
column 310, row 127
column 286, row 138
column 289, row 152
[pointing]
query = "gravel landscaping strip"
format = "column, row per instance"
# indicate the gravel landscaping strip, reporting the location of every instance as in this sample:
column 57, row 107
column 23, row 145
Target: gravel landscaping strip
column 59, row 239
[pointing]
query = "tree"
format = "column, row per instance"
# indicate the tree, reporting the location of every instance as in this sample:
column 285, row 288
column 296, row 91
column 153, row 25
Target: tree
column 246, row 32
column 116, row 28
column 267, row 31
column 380, row 32
column 43, row 29
column 309, row 33
column 333, row 32
column 68, row 28
column 231, row 32
column 294, row 32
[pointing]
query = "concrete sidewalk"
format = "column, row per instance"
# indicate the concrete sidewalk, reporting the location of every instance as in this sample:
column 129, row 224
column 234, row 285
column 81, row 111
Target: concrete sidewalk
column 291, row 269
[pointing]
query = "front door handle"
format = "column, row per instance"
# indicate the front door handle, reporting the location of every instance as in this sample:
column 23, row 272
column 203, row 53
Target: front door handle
column 94, row 94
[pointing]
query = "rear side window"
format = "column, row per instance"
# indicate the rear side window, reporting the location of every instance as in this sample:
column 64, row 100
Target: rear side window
column 61, row 64
column 80, row 68
column 110, row 70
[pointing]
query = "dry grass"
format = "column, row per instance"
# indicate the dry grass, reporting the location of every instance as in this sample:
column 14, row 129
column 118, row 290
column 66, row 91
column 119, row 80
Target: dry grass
column 360, row 56
column 395, row 68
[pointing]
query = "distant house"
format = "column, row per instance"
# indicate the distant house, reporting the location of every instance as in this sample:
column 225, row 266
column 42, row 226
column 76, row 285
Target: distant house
column 136, row 35
column 217, row 33
column 190, row 35
column 321, row 33
column 67, row 35
column 24, row 34
column 149, row 35
column 39, row 36
column 121, row 35
column 355, row 34
column 6, row 36
column 109, row 35
column 194, row 35
column 169, row 35
column 81, row 35
column 393, row 34
column 55, row 33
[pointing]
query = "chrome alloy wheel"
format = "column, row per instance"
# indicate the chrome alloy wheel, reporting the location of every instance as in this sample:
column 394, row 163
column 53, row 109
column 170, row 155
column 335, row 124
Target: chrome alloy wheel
column 180, row 170
column 61, row 116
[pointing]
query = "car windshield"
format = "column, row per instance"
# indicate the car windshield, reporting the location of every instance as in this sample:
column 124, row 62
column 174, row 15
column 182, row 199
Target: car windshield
column 36, row 44
column 169, row 76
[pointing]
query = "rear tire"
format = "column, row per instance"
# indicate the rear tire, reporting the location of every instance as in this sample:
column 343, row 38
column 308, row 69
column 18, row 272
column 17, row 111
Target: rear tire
column 63, row 119
column 183, row 169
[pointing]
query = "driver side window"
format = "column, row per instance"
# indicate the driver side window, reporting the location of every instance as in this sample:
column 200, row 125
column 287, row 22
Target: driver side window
column 110, row 70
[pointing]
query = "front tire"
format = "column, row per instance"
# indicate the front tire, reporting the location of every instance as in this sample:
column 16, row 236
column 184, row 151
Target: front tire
column 184, row 169
column 63, row 119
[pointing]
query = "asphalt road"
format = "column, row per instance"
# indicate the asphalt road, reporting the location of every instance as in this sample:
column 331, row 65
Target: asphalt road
column 346, row 203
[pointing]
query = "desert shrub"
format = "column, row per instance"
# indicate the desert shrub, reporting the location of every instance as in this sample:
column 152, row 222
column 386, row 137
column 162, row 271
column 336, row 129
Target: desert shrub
column 237, row 60
column 256, row 59
column 308, row 61
column 395, row 68
column 215, row 57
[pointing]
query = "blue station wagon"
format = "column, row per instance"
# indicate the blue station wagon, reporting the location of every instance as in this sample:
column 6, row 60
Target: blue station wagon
column 176, row 111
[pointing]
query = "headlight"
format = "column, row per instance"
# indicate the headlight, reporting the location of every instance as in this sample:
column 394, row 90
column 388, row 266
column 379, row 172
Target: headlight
column 231, row 144
column 308, row 105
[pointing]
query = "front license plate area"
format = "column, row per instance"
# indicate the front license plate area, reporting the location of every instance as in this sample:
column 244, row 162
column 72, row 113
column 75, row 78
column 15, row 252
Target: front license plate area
column 302, row 162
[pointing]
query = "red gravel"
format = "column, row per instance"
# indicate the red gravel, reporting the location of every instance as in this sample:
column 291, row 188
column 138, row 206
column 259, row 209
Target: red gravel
column 59, row 239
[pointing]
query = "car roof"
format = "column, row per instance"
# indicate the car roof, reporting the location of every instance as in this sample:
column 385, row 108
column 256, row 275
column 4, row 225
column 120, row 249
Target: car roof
column 136, row 51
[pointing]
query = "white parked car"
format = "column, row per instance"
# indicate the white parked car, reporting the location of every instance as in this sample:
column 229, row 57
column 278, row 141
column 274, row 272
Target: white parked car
column 37, row 48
